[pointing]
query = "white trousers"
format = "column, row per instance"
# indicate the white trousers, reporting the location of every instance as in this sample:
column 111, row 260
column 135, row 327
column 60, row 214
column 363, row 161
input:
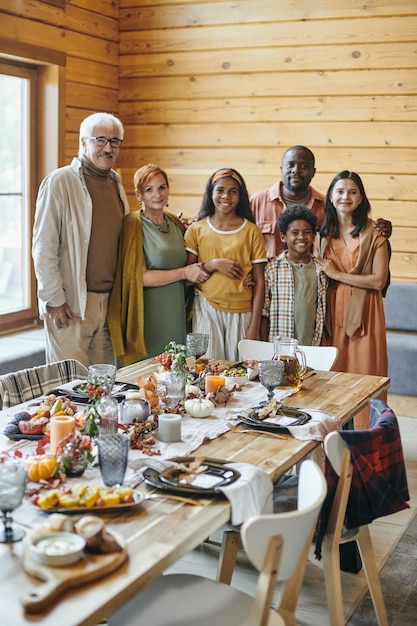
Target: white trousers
column 225, row 330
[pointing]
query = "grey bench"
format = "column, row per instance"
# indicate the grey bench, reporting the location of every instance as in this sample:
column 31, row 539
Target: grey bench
column 400, row 305
column 22, row 350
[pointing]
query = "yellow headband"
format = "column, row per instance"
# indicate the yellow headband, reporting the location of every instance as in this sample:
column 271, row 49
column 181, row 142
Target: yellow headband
column 223, row 174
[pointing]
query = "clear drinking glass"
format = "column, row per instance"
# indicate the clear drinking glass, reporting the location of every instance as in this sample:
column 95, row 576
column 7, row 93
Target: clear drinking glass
column 270, row 375
column 102, row 370
column 13, row 479
column 113, row 453
column 197, row 344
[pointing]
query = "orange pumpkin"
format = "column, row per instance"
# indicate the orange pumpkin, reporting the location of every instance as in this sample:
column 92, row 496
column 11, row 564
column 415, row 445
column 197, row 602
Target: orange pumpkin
column 40, row 467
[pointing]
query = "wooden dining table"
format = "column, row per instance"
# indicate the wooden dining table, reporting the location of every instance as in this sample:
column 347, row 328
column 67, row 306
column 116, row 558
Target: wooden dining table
column 160, row 531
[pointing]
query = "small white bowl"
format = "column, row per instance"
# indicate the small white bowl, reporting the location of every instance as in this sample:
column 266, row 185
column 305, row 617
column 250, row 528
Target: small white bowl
column 57, row 549
column 235, row 380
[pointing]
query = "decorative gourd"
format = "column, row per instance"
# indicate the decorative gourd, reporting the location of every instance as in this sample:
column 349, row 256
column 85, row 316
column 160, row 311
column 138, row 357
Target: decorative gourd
column 192, row 389
column 40, row 467
column 199, row 407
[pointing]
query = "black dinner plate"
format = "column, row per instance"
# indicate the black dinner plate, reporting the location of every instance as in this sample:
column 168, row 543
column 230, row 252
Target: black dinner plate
column 19, row 436
column 168, row 481
column 225, row 475
column 299, row 418
column 78, row 395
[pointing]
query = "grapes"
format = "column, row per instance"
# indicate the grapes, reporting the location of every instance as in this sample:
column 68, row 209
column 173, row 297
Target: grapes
column 233, row 372
column 21, row 416
column 11, row 429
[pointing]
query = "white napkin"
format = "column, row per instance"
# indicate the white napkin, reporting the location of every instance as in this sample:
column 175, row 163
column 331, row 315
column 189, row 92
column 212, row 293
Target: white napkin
column 320, row 425
column 250, row 494
column 248, row 398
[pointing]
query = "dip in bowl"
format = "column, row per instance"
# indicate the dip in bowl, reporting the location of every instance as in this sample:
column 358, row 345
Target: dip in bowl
column 57, row 549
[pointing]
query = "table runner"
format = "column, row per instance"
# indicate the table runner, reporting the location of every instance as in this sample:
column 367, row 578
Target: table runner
column 195, row 431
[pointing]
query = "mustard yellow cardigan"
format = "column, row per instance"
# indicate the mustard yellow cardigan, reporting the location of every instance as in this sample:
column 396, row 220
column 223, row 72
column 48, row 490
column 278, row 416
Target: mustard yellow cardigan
column 125, row 311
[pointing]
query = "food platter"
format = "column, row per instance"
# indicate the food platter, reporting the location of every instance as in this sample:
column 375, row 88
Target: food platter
column 116, row 508
column 288, row 417
column 206, row 484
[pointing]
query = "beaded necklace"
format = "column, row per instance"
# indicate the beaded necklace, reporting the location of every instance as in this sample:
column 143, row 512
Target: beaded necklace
column 163, row 228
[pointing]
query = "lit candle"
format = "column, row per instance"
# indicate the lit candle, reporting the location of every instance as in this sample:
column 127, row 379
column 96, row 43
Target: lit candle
column 61, row 426
column 212, row 383
column 169, row 427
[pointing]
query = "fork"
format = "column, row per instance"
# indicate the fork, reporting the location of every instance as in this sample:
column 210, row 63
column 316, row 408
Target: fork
column 151, row 496
column 235, row 429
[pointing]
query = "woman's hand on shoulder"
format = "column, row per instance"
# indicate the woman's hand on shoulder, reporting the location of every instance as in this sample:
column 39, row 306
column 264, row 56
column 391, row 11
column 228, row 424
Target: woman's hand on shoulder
column 384, row 227
column 328, row 267
column 184, row 220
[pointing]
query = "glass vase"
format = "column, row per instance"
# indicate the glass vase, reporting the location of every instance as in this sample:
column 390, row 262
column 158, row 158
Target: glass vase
column 108, row 410
column 174, row 387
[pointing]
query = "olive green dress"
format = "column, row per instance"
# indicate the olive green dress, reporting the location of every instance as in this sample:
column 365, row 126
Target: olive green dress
column 164, row 307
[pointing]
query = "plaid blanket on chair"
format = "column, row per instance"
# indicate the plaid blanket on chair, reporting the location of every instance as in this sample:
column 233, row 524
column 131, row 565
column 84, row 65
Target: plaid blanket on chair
column 379, row 481
column 30, row 383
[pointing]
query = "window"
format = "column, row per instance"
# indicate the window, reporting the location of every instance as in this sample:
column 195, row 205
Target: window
column 17, row 190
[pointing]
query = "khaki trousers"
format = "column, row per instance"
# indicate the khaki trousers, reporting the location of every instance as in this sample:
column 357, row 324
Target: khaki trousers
column 86, row 340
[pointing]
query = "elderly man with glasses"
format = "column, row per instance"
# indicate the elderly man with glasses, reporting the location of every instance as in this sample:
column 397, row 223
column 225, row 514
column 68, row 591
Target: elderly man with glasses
column 78, row 221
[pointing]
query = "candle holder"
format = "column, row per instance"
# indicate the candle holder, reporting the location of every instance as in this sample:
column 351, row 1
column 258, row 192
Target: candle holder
column 212, row 383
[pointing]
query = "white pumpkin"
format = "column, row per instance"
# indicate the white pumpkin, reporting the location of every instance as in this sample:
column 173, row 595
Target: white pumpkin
column 199, row 407
column 192, row 389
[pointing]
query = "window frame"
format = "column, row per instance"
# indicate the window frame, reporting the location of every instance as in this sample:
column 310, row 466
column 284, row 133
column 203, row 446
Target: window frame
column 29, row 314
column 46, row 146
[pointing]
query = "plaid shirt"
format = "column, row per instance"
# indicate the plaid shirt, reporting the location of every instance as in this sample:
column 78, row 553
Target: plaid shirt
column 279, row 299
column 379, row 481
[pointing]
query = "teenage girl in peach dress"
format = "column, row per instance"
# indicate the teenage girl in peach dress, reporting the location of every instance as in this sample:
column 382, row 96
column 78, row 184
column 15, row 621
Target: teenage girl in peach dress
column 355, row 257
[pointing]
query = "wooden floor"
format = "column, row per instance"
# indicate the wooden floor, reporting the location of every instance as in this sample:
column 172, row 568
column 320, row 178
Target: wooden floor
column 386, row 532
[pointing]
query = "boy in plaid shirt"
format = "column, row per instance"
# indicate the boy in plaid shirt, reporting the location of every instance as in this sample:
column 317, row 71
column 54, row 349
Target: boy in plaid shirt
column 295, row 287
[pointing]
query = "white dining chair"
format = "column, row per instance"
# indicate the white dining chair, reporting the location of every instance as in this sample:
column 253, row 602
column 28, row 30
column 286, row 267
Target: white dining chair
column 320, row 358
column 339, row 456
column 317, row 357
column 277, row 545
column 250, row 349
column 32, row 382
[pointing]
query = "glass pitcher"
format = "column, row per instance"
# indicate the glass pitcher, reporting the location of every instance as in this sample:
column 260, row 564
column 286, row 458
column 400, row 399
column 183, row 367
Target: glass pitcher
column 295, row 366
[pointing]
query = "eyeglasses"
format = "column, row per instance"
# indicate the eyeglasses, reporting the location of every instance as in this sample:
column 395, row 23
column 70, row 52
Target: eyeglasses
column 103, row 141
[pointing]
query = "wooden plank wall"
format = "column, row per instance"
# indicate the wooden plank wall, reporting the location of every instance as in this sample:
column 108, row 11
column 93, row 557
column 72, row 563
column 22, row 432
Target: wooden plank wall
column 87, row 32
column 204, row 84
column 212, row 83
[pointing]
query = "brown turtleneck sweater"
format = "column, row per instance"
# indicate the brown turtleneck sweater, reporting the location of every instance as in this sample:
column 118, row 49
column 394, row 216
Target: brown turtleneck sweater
column 105, row 228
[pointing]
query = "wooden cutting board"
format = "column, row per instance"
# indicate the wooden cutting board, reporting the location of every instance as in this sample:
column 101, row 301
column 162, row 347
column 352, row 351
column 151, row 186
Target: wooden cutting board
column 57, row 580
